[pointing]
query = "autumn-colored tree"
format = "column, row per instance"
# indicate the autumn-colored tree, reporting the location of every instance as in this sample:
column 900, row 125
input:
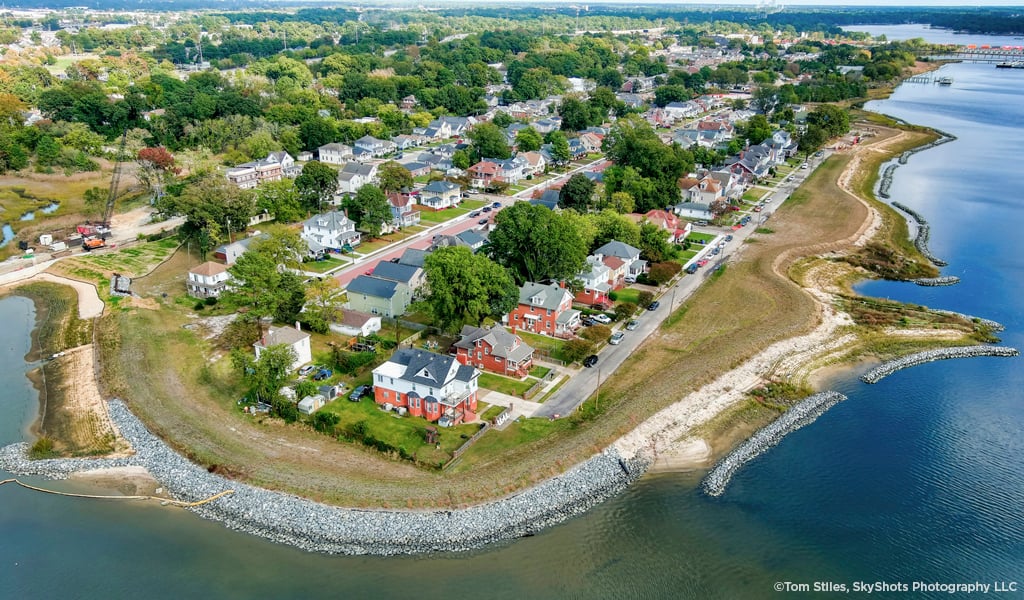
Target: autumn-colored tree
column 156, row 167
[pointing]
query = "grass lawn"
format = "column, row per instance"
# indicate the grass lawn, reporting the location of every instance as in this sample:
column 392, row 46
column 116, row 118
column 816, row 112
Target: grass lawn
column 627, row 295
column 322, row 266
column 386, row 240
column 685, row 255
column 553, row 346
column 440, row 216
column 396, row 431
column 491, row 412
column 539, row 372
column 695, row 237
column 505, row 385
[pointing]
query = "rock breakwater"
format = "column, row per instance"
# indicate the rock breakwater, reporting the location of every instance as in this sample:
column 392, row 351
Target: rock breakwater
column 889, row 367
column 317, row 527
column 922, row 235
column 937, row 281
column 886, row 182
column 803, row 413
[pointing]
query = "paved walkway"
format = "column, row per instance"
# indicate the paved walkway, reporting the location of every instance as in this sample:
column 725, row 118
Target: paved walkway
column 520, row 407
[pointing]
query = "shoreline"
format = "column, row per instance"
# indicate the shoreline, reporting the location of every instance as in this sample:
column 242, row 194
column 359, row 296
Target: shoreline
column 522, row 513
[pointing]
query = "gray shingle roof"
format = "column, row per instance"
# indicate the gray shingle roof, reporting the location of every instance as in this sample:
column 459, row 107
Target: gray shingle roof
column 373, row 286
column 547, row 296
column 413, row 257
column 618, row 249
column 396, row 272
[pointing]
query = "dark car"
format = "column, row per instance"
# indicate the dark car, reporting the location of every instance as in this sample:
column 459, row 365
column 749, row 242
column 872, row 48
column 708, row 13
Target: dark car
column 692, row 268
column 728, row 238
column 475, row 213
column 496, row 205
column 323, row 373
column 486, row 209
column 588, row 321
column 483, row 221
column 654, row 305
column 590, row 361
column 359, row 393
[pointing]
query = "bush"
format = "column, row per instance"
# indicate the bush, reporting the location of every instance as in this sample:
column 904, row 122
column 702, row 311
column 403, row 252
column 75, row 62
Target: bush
column 644, row 299
column 350, row 362
column 283, row 408
column 199, row 305
column 596, row 333
column 577, row 349
column 613, row 296
column 663, row 272
column 624, row 311
column 211, row 301
column 42, row 448
column 324, row 422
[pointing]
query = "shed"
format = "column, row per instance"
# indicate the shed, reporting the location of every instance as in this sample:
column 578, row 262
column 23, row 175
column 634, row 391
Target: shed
column 311, row 404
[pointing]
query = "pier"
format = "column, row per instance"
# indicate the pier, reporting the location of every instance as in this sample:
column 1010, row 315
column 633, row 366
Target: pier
column 983, row 55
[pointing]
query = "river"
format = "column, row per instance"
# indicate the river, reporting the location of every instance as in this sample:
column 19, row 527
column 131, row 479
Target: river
column 935, row 36
column 916, row 478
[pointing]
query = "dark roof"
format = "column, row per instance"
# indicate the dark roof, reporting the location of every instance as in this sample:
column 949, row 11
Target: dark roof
column 413, row 257
column 396, row 272
column 427, row 368
column 373, row 286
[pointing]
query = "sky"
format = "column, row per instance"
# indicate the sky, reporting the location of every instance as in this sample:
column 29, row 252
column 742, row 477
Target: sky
column 838, row 3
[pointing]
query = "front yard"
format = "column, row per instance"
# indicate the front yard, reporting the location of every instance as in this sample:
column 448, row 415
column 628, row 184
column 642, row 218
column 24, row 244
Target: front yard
column 505, row 385
column 547, row 344
column 433, row 217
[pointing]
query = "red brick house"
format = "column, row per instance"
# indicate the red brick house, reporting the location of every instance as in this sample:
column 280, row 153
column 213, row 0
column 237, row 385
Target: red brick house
column 494, row 350
column 429, row 385
column 545, row 309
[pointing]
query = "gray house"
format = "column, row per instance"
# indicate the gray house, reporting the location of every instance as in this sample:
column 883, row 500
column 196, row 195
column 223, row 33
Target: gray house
column 411, row 276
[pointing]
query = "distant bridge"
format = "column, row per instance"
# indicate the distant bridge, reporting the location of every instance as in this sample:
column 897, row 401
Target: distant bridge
column 983, row 55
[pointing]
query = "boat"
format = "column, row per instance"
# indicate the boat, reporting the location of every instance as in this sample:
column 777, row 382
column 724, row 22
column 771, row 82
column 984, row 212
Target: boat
column 944, row 81
column 1010, row 65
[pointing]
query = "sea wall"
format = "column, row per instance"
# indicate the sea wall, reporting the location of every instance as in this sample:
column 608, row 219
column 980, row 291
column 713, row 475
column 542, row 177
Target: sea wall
column 943, row 139
column 886, row 182
column 318, row 527
column 889, row 367
column 937, row 281
column 803, row 413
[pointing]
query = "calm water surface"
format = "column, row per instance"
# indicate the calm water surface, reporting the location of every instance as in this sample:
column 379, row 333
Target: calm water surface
column 916, row 478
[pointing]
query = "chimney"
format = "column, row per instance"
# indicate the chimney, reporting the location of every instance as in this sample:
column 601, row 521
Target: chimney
column 298, row 325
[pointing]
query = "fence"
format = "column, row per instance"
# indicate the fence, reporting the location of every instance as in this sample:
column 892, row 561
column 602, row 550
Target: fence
column 472, row 440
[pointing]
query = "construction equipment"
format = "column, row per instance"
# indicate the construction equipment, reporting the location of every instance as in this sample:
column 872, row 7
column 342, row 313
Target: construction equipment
column 95, row 234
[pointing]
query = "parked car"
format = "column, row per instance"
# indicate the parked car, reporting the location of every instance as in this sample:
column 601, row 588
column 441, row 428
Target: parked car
column 602, row 318
column 692, row 268
column 306, row 370
column 483, row 221
column 632, row 325
column 803, row 166
column 654, row 305
column 728, row 238
column 359, row 393
column 496, row 205
column 702, row 262
column 630, row 279
column 714, row 252
column 474, row 214
column 323, row 373
column 368, row 272
column 588, row 321
column 486, row 209
column 702, row 223
column 590, row 361
column 616, row 338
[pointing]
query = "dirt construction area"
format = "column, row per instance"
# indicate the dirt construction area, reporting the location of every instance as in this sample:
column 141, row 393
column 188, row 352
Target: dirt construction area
column 189, row 399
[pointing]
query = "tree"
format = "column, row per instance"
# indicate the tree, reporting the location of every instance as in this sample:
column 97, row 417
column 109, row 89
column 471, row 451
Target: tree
column 757, row 129
column 213, row 208
column 624, row 311
column 323, row 304
column 281, row 199
column 261, row 281
column 613, row 226
column 536, row 244
column 316, row 132
column 575, row 114
column 156, row 168
column 47, row 151
column 528, row 140
column 466, row 287
column 766, row 98
column 370, row 209
column 654, row 243
column 656, row 167
column 96, row 200
column 832, row 119
column 622, row 202
column 461, row 159
column 394, row 177
column 489, row 141
column 559, row 148
column 644, row 299
column 316, row 184
column 268, row 373
column 663, row 272
column 576, row 193
column 503, row 119
column 577, row 349
column 812, row 139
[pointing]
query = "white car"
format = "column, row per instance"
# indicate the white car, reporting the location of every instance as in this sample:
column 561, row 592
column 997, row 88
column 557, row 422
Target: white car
column 601, row 318
column 616, row 338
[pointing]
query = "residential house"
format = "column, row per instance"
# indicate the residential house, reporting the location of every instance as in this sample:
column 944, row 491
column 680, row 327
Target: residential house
column 511, row 170
column 576, row 149
column 414, row 257
column 682, row 110
column 409, row 102
column 245, row 177
column 354, row 322
column 694, row 210
column 230, row 252
column 355, row 175
column 207, row 280
column 417, row 169
column 334, row 154
column 535, row 163
column 272, row 168
column 783, row 145
column 404, row 142
column 596, row 281
column 373, row 146
column 402, row 212
column 628, row 254
column 378, row 296
column 707, row 190
column 548, row 198
column 439, row 194
column 429, row 385
column 483, row 174
column 547, row 125
column 545, row 309
column 412, row 277
column 329, row 231
column 495, row 350
column 294, row 338
column 469, row 238
column 304, row 156
column 591, row 141
column 286, row 162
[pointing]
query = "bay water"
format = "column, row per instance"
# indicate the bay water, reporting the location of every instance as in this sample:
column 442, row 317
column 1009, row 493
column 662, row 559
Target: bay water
column 917, row 478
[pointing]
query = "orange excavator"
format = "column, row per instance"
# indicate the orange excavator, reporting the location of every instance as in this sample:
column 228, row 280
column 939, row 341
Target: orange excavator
column 94, row 235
